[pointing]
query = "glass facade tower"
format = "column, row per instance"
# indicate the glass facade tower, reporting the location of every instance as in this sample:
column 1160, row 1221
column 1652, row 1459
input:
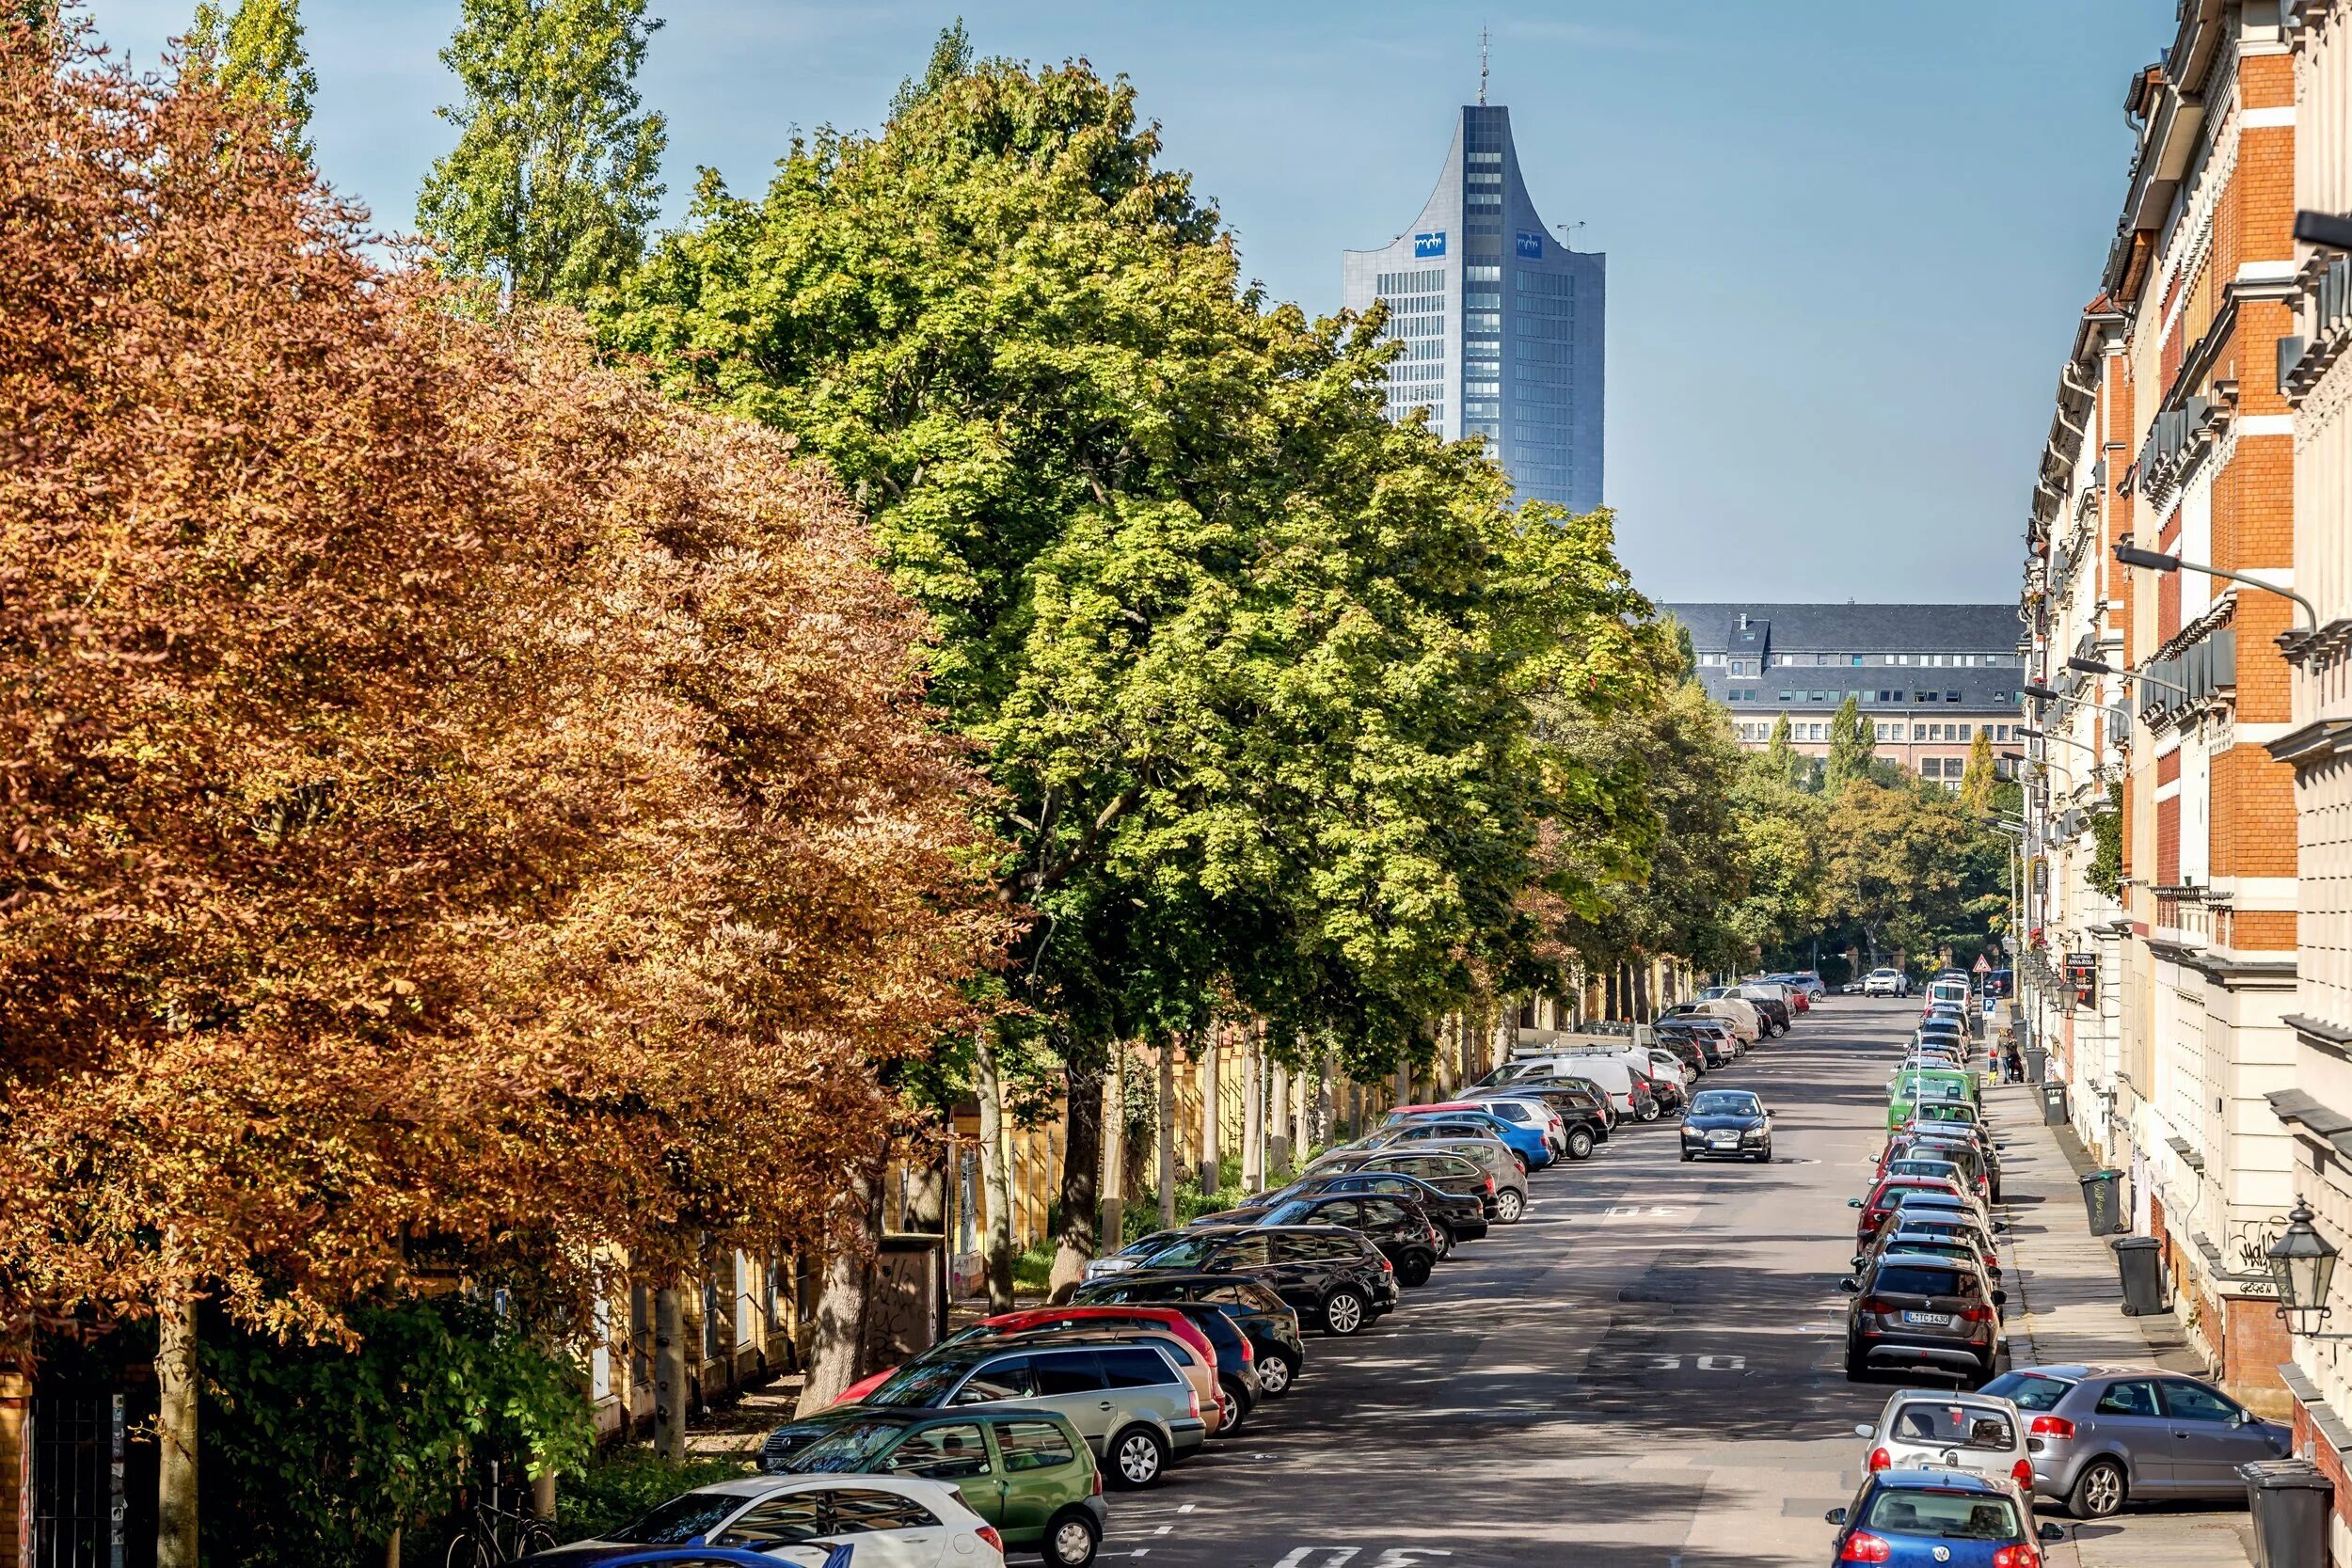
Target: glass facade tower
column 1502, row 326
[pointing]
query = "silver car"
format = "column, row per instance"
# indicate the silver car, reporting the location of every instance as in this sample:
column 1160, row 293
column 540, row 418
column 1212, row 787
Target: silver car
column 2098, row 1435
column 1491, row 1155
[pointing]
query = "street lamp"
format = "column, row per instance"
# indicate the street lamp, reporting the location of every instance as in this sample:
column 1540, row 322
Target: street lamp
column 2324, row 229
column 2302, row 1261
column 2100, row 667
column 2155, row 561
column 2029, row 732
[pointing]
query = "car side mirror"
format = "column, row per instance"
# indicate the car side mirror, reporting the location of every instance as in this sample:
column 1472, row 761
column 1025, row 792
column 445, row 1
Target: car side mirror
column 1853, row 1203
column 1865, row 1430
column 1849, row 1285
column 1834, row 1517
column 2000, row 1228
column 2000, row 1298
column 2050, row 1535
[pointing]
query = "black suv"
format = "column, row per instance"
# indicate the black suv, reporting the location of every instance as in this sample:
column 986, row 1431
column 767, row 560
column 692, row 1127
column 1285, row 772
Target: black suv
column 1450, row 1172
column 1400, row 1228
column 1459, row 1216
column 1914, row 1309
column 1265, row 1319
column 1334, row 1276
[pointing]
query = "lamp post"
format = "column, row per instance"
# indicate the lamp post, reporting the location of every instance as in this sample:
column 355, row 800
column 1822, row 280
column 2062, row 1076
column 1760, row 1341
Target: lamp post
column 2100, row 667
column 2302, row 1263
column 2156, row 561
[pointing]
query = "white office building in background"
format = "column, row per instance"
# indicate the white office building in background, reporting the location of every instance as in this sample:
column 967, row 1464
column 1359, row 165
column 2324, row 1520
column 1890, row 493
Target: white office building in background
column 1502, row 324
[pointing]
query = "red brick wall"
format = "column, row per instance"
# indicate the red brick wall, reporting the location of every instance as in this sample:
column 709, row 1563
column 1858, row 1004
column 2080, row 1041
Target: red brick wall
column 2309, row 1439
column 2169, row 842
column 2253, row 831
column 2252, row 1350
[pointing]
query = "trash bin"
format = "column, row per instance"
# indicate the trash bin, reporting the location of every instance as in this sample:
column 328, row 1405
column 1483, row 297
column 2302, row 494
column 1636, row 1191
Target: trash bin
column 2139, row 1262
column 2103, row 1195
column 2054, row 1104
column 2290, row 1500
column 2036, row 1064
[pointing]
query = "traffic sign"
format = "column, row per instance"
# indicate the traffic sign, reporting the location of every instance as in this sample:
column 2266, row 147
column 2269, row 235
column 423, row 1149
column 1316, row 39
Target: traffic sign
column 1982, row 967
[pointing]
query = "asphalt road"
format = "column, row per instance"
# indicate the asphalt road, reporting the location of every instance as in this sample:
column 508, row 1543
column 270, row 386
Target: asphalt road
column 1644, row 1371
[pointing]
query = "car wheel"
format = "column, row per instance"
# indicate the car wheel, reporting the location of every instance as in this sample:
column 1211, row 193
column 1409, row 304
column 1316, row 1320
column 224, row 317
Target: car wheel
column 1854, row 1367
column 1138, row 1457
column 1414, row 1271
column 1070, row 1539
column 1276, row 1374
column 1764, row 1155
column 1649, row 1109
column 1688, row 1156
column 2098, row 1491
column 1581, row 1143
column 1445, row 1242
column 1343, row 1313
column 1509, row 1206
column 1233, row 1408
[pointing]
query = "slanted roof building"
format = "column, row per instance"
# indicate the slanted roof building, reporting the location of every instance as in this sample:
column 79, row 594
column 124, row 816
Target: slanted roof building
column 1927, row 676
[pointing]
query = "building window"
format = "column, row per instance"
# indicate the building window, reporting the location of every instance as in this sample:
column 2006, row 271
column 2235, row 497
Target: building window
column 1918, row 732
column 1952, row 696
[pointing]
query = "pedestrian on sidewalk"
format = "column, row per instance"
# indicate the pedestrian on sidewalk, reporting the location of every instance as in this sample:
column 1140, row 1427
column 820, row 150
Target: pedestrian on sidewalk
column 2012, row 1064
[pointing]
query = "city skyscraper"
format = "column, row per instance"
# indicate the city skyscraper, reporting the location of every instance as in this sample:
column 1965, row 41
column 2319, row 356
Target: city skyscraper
column 1502, row 323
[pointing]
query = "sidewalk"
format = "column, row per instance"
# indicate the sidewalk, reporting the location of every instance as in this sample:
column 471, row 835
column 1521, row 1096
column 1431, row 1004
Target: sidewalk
column 2065, row 1304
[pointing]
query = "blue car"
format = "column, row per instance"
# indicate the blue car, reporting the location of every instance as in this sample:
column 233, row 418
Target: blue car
column 1528, row 1142
column 1939, row 1519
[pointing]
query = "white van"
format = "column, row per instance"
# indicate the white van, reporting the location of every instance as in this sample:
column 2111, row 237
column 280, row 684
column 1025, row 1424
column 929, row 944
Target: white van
column 1612, row 1072
column 1948, row 991
column 1746, row 1022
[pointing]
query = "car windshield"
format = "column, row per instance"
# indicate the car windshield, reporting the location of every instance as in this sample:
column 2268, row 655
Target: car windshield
column 1293, row 1213
column 1947, row 1425
column 851, row 1447
column 1725, row 1102
column 2029, row 1390
column 1187, row 1254
column 685, row 1517
column 921, row 1383
column 1947, row 1515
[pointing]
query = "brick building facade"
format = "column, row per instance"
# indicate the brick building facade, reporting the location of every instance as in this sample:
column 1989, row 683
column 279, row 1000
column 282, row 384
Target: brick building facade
column 2173, row 432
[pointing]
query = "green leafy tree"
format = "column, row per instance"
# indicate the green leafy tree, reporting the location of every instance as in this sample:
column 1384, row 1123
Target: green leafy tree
column 1851, row 744
column 1253, row 668
column 1977, row 779
column 1791, row 764
column 555, row 178
column 255, row 53
column 1779, row 831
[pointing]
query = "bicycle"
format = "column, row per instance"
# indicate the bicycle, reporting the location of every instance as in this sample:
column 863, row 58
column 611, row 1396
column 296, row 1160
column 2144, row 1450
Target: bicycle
column 494, row 1534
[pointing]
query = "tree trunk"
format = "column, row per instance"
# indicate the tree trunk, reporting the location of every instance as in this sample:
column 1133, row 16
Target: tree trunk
column 176, row 1539
column 543, row 1496
column 1278, row 1123
column 1081, row 1168
column 1404, row 1081
column 1252, row 1118
column 995, row 1174
column 1319, row 1110
column 1115, row 1152
column 1168, row 1136
column 1212, row 1157
column 1641, row 991
column 669, row 1375
column 837, row 1343
column 926, row 1199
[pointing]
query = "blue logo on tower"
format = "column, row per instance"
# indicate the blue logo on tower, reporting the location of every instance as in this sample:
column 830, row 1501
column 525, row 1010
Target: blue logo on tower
column 1530, row 245
column 1428, row 246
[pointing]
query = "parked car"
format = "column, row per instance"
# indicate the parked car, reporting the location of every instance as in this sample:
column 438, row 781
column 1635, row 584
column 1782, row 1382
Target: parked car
column 2100, row 1436
column 1955, row 1222
column 1531, row 1142
column 1585, row 1116
column 1929, row 1429
column 1132, row 1402
column 1131, row 1255
column 1525, row 1111
column 1491, row 1158
column 1336, row 1277
column 1216, row 1342
column 1269, row 1322
column 1460, row 1215
column 1886, row 1195
column 801, row 1519
column 1929, row 1241
column 1809, row 981
column 1401, row 1228
column 1770, row 1000
column 1443, row 1169
column 1026, row 1471
column 1939, row 1519
column 1885, row 982
column 1917, row 1311
column 1730, row 1123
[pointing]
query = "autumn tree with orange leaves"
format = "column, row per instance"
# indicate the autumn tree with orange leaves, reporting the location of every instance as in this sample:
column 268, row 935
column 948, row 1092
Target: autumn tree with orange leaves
column 456, row 809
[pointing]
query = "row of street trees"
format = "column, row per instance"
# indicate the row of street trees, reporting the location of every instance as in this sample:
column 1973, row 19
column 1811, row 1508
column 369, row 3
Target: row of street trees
column 531, row 763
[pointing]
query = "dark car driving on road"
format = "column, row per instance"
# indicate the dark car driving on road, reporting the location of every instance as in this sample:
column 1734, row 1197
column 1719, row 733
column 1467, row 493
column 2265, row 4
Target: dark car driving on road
column 1727, row 1124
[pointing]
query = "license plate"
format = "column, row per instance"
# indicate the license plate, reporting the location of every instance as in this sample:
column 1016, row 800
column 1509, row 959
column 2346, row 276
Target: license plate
column 1722, row 1140
column 1930, row 1319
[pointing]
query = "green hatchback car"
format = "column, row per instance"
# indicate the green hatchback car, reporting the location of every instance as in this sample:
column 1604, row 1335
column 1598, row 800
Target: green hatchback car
column 1913, row 1085
column 1028, row 1472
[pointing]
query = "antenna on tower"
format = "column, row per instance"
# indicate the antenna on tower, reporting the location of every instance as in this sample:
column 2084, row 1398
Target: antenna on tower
column 1482, row 67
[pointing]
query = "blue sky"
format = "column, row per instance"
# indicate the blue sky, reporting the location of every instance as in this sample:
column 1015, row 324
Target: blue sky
column 1846, row 239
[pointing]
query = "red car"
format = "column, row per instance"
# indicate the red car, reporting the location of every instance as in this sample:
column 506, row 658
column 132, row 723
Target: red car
column 1160, row 1319
column 1880, row 1202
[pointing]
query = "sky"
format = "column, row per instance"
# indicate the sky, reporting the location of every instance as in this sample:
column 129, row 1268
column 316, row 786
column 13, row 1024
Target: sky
column 1848, row 240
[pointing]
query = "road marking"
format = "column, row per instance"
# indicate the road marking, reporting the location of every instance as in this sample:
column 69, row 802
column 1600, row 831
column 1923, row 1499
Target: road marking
column 1669, row 1361
column 1186, row 1508
column 1163, row 1530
